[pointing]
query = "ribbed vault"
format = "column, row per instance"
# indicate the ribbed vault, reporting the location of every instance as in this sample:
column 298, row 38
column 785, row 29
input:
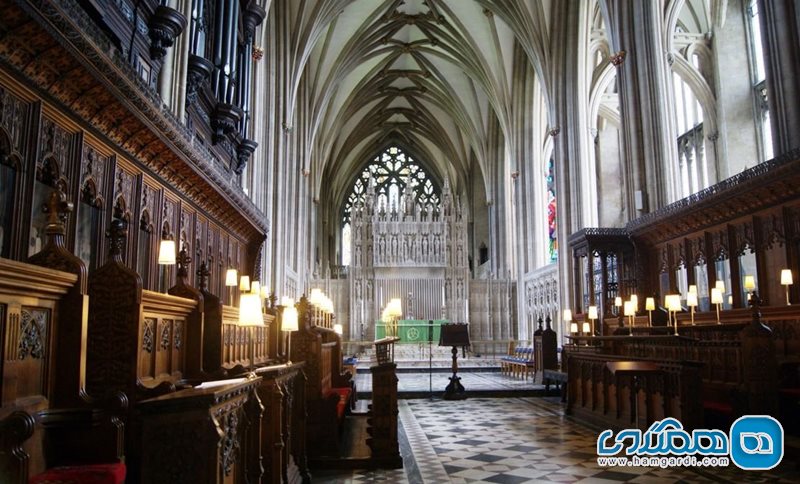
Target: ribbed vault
column 435, row 76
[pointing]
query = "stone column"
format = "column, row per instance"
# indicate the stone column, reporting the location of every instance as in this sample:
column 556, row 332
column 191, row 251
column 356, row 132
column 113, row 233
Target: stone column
column 780, row 37
column 648, row 135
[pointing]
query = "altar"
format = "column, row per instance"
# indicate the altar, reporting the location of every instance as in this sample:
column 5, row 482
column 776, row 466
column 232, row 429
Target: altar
column 411, row 330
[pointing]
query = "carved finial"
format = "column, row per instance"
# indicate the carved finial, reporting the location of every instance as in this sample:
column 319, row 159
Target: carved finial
column 202, row 275
column 540, row 321
column 117, row 235
column 57, row 209
column 183, row 262
column 548, row 320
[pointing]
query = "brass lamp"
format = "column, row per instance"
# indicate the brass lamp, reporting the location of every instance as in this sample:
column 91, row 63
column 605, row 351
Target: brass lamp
column 166, row 253
column 289, row 323
column 691, row 301
column 166, row 257
column 650, row 306
column 716, row 298
column 627, row 311
column 244, row 284
column 786, row 281
column 250, row 309
column 592, row 316
column 673, row 303
column 231, row 281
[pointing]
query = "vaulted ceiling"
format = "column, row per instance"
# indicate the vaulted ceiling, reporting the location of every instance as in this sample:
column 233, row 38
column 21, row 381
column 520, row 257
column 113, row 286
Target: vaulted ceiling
column 436, row 76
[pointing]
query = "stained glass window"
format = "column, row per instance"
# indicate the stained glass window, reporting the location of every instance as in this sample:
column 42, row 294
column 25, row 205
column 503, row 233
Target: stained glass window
column 551, row 210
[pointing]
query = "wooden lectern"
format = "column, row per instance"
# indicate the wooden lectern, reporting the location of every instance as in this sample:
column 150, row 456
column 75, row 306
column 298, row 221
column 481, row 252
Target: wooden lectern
column 455, row 335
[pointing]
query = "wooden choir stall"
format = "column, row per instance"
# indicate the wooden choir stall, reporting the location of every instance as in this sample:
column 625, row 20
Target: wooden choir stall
column 47, row 420
column 720, row 337
column 341, row 436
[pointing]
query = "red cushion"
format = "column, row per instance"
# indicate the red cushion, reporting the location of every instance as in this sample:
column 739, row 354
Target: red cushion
column 89, row 474
column 344, row 400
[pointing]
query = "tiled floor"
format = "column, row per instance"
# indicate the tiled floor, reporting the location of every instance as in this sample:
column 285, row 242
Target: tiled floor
column 514, row 440
column 438, row 381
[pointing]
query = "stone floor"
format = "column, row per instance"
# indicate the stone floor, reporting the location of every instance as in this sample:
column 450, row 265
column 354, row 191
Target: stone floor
column 515, row 440
column 438, row 380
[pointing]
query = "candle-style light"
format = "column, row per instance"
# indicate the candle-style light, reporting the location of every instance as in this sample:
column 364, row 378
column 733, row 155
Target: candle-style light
column 786, row 281
column 691, row 301
column 716, row 299
column 650, row 306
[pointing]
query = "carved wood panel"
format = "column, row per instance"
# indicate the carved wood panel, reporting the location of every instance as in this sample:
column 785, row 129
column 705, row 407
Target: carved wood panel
column 26, row 350
column 13, row 116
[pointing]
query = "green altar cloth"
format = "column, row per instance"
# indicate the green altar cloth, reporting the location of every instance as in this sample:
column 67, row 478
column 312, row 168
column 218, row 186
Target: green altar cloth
column 411, row 330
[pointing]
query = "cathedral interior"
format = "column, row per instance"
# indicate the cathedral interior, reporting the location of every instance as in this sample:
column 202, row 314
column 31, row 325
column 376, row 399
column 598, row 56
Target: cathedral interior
column 292, row 241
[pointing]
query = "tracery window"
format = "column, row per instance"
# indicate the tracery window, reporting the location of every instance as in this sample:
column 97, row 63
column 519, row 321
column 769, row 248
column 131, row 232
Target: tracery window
column 391, row 171
column 692, row 169
column 758, row 78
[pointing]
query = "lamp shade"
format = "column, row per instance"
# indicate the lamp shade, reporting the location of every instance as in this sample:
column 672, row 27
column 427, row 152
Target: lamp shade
column 244, row 283
column 650, row 304
column 618, row 302
column 166, row 252
column 635, row 302
column 573, row 328
column 786, row 277
column 286, row 301
column 231, row 276
column 264, row 292
column 586, row 327
column 567, row 315
column 289, row 319
column 674, row 302
column 337, row 328
column 691, row 300
column 692, row 289
column 716, row 296
column 628, row 308
column 315, row 297
column 749, row 283
column 592, row 312
column 255, row 287
column 250, row 309
column 721, row 286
